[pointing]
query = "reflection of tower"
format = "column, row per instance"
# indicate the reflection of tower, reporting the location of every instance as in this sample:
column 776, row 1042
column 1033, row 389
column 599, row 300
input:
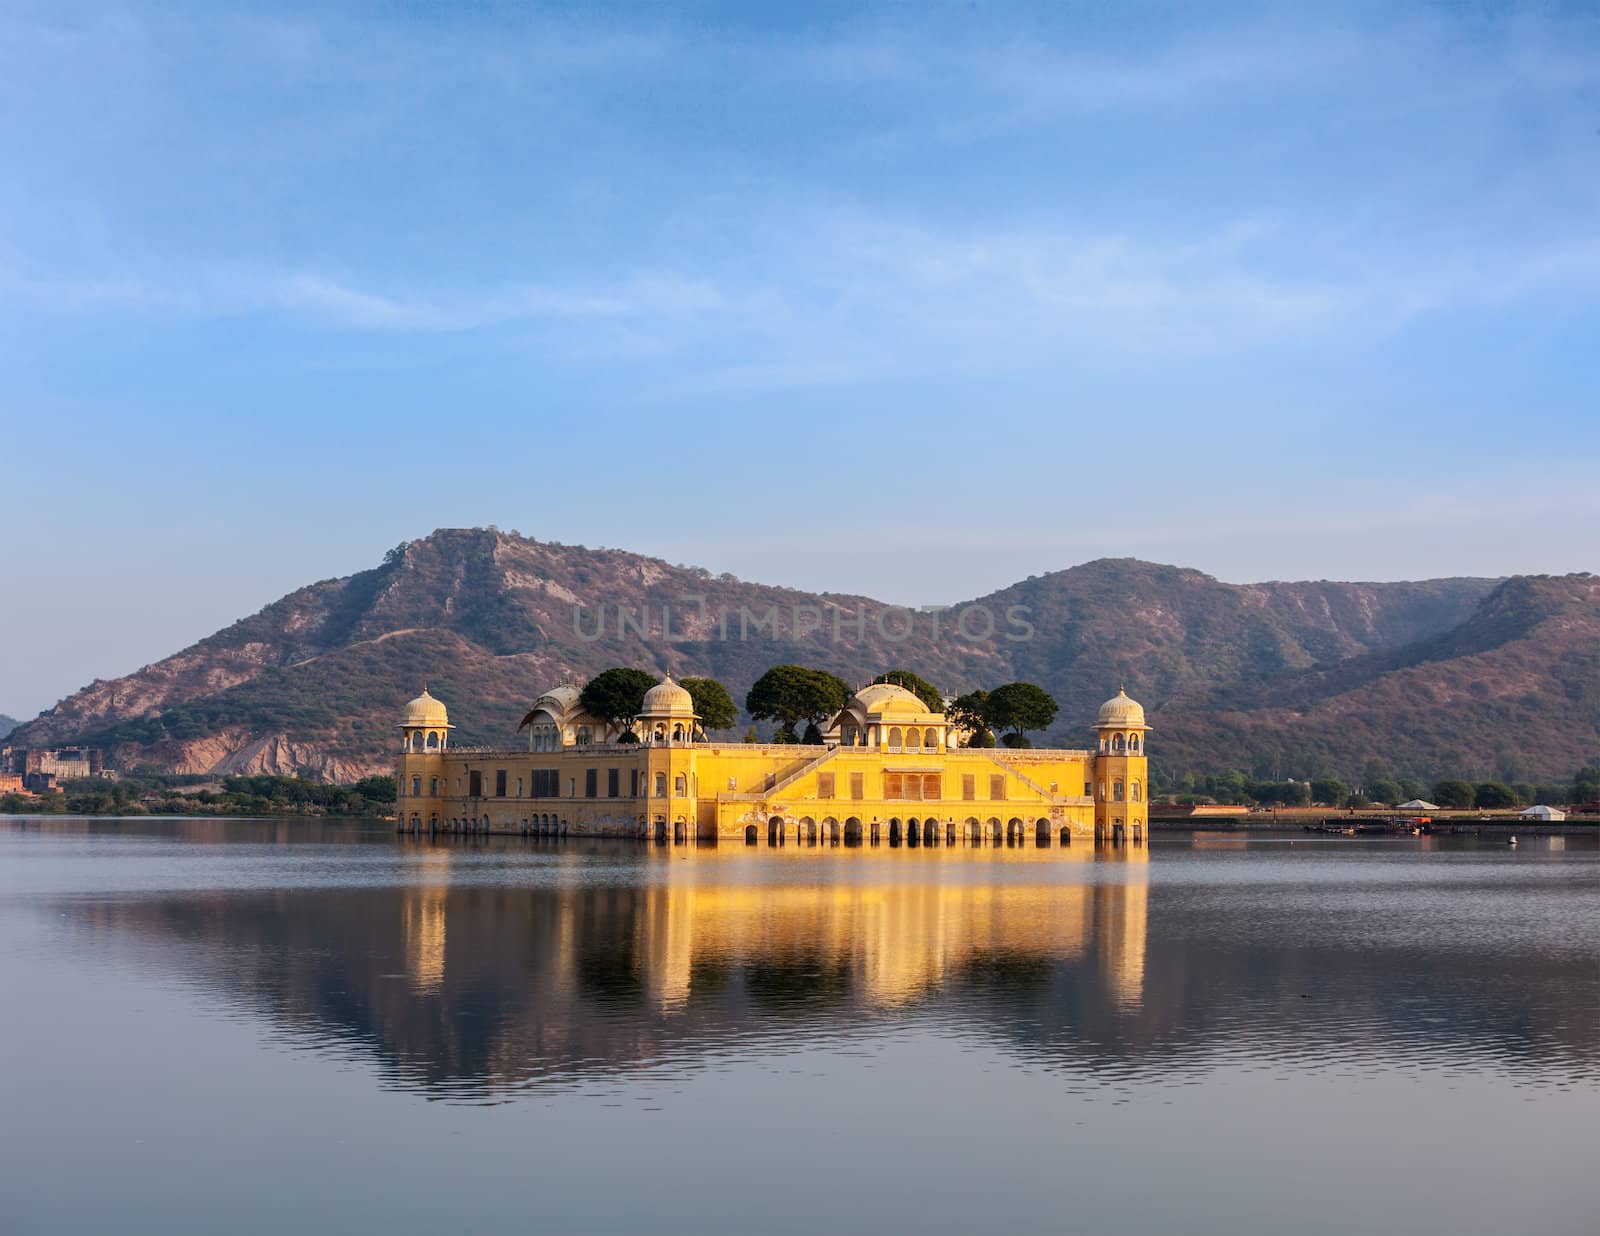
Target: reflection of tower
column 1121, row 784
column 422, row 917
column 668, row 944
column 1121, row 912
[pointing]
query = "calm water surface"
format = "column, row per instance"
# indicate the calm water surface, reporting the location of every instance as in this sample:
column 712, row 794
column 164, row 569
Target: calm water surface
column 294, row 1026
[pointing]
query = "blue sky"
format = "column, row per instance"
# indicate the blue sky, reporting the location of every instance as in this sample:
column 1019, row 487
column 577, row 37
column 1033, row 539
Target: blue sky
column 912, row 300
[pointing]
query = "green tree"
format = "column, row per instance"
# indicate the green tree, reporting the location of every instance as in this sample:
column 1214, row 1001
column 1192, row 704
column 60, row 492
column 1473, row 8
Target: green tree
column 967, row 712
column 1494, row 796
column 1018, row 707
column 375, row 789
column 712, row 702
column 1457, row 795
column 1387, row 792
column 790, row 694
column 616, row 695
column 917, row 685
column 1329, row 790
column 1411, row 788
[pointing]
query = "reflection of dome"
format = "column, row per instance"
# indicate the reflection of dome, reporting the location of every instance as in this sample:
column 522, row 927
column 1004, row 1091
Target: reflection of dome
column 667, row 699
column 1120, row 712
column 425, row 710
column 885, row 699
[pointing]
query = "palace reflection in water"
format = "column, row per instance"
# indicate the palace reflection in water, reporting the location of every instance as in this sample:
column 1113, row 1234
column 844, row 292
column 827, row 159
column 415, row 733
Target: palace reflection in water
column 491, row 966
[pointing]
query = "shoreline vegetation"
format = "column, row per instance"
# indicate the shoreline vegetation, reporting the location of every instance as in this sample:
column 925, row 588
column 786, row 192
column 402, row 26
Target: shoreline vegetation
column 167, row 795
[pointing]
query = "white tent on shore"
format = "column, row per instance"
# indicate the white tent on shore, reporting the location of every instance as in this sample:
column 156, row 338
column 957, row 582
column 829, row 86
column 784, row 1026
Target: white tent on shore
column 1541, row 812
column 1416, row 804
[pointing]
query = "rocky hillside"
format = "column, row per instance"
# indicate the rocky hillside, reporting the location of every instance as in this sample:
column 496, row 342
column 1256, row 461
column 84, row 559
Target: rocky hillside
column 1441, row 676
column 7, row 724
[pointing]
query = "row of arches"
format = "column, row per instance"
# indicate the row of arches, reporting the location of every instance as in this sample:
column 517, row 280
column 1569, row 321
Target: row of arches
column 423, row 740
column 910, row 831
column 1131, row 743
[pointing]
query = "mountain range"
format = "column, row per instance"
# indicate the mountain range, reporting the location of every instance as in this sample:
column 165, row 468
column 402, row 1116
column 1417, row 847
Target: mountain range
column 1459, row 676
column 7, row 724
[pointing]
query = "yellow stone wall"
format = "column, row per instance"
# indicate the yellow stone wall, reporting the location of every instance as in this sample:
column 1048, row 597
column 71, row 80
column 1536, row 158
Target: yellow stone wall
column 721, row 790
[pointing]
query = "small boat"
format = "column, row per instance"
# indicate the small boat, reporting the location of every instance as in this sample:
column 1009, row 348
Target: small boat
column 1512, row 840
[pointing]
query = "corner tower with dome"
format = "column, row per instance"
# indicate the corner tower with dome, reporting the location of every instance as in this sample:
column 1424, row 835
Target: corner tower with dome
column 890, row 771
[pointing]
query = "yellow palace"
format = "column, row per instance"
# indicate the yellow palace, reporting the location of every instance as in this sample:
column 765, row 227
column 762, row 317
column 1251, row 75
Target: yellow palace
column 889, row 770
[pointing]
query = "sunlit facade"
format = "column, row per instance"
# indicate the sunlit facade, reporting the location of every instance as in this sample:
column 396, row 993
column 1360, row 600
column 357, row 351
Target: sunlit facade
column 890, row 771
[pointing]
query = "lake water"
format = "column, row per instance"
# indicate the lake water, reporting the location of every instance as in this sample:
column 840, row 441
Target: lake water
column 293, row 1026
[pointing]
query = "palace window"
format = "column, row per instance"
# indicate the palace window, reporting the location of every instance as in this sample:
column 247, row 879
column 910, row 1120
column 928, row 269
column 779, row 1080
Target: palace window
column 894, row 787
column 969, row 787
column 416, row 785
column 499, row 783
column 591, row 782
column 613, row 782
column 1138, row 793
column 433, row 785
column 1116, row 790
column 519, row 787
column 997, row 787
column 633, row 783
column 858, row 786
column 825, row 785
column 680, row 786
column 661, row 785
column 932, row 787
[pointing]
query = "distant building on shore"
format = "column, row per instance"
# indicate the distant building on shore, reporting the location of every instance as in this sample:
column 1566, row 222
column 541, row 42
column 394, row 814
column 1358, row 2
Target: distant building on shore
column 1550, row 815
column 889, row 770
column 43, row 770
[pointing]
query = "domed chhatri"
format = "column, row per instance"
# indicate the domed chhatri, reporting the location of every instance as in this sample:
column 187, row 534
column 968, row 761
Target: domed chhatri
column 1122, row 713
column 425, row 710
column 425, row 725
column 889, row 769
column 667, row 699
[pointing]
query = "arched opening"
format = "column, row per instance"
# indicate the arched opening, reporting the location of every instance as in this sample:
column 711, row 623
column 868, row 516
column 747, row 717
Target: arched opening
column 433, row 740
column 1066, row 835
column 992, row 829
column 585, row 736
column 807, row 830
column 894, row 831
column 1116, row 790
column 680, row 785
column 1134, row 742
column 775, row 830
column 830, row 830
column 1041, row 832
column 661, row 785
column 895, row 738
column 913, row 739
column 677, row 733
column 913, row 832
column 680, row 830
column 1137, row 793
column 852, row 831
column 974, row 830
column 416, row 787
column 751, row 834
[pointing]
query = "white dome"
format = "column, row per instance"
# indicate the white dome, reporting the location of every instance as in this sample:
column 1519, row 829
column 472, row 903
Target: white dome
column 425, row 710
column 1121, row 713
column 667, row 699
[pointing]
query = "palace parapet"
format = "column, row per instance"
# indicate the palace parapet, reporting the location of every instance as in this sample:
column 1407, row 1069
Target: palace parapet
column 889, row 770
